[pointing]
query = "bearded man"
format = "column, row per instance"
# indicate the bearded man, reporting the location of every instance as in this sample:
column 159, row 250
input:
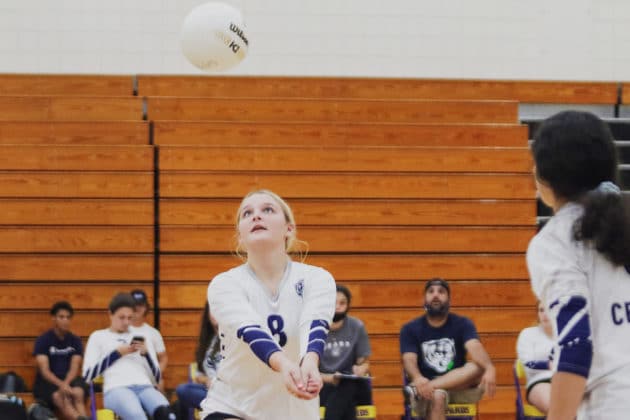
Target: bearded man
column 434, row 350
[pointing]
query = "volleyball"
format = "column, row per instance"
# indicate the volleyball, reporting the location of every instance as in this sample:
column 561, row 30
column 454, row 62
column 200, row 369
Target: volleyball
column 213, row 37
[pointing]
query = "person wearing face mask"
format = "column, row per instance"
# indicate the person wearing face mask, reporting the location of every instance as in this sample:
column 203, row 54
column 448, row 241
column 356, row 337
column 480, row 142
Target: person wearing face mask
column 434, row 349
column 345, row 363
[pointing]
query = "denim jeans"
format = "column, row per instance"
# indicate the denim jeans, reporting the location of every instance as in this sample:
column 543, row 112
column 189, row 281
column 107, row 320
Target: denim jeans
column 131, row 402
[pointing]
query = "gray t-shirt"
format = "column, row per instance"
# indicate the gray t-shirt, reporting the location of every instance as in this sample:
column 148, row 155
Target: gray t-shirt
column 344, row 347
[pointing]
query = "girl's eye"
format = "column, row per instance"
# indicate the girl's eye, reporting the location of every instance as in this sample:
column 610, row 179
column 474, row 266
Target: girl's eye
column 268, row 209
column 246, row 213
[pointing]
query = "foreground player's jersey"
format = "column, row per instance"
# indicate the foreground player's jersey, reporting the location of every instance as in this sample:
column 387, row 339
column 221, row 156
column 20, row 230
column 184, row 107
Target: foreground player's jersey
column 563, row 271
column 246, row 386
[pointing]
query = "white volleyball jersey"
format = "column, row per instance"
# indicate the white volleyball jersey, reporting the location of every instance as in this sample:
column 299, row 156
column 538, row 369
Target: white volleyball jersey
column 246, row 386
column 564, row 271
column 101, row 358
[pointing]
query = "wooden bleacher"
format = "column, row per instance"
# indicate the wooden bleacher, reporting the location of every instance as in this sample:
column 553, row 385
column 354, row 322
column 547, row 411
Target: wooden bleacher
column 76, row 189
column 330, row 110
column 65, row 85
column 122, row 133
column 374, row 212
column 243, row 133
column 392, row 182
column 70, row 108
column 526, row 91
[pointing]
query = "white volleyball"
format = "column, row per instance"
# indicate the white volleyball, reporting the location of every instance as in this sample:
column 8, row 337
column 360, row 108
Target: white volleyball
column 213, row 37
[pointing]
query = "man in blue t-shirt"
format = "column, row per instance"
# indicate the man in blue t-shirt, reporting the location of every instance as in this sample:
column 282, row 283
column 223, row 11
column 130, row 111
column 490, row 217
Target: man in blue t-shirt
column 58, row 354
column 434, row 349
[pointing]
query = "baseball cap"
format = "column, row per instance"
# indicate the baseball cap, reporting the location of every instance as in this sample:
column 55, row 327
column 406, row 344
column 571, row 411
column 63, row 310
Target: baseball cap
column 437, row 281
column 139, row 296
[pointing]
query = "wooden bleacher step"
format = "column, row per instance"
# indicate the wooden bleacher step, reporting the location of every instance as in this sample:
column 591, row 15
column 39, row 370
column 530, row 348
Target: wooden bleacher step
column 331, row 110
column 528, row 91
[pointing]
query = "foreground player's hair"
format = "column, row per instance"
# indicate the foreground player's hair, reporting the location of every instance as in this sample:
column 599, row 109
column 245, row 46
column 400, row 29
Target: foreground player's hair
column 575, row 155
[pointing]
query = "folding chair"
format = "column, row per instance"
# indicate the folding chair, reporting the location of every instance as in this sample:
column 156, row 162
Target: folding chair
column 364, row 412
column 102, row 413
column 524, row 411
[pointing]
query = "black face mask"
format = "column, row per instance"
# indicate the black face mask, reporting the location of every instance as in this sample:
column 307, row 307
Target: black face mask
column 437, row 311
column 339, row 316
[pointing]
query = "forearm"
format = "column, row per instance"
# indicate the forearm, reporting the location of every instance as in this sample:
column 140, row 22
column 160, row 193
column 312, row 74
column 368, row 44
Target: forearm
column 328, row 378
column 50, row 377
column 362, row 367
column 162, row 361
column 260, row 343
column 478, row 354
column 277, row 360
column 73, row 372
column 567, row 390
column 412, row 371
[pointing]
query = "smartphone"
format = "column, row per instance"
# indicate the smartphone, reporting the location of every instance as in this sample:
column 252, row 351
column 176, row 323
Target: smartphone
column 137, row 338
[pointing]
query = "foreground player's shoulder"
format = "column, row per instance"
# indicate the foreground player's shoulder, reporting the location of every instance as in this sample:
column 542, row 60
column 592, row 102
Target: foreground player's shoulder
column 557, row 235
column 314, row 275
column 229, row 278
column 554, row 250
column 312, row 271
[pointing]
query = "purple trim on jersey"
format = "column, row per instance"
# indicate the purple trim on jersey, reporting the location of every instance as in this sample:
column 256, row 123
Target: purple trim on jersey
column 97, row 370
column 574, row 337
column 538, row 364
column 154, row 369
column 317, row 337
column 259, row 341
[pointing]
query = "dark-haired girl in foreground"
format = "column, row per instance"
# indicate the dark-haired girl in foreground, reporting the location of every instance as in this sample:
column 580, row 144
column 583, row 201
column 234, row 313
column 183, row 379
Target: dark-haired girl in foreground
column 580, row 267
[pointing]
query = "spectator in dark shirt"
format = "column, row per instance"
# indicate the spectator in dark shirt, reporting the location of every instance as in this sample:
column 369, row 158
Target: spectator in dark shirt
column 58, row 354
column 434, row 348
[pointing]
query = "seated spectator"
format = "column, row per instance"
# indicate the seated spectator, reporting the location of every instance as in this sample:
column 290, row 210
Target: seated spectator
column 434, row 348
column 58, row 354
column 207, row 356
column 347, row 352
column 534, row 346
column 128, row 364
column 140, row 327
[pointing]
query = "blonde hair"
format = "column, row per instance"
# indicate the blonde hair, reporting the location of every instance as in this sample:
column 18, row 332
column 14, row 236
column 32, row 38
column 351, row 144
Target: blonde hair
column 292, row 244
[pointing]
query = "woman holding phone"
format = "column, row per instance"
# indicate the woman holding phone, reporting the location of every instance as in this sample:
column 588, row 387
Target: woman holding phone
column 128, row 364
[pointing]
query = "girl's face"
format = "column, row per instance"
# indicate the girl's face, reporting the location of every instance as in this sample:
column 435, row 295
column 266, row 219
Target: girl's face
column 262, row 222
column 121, row 319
